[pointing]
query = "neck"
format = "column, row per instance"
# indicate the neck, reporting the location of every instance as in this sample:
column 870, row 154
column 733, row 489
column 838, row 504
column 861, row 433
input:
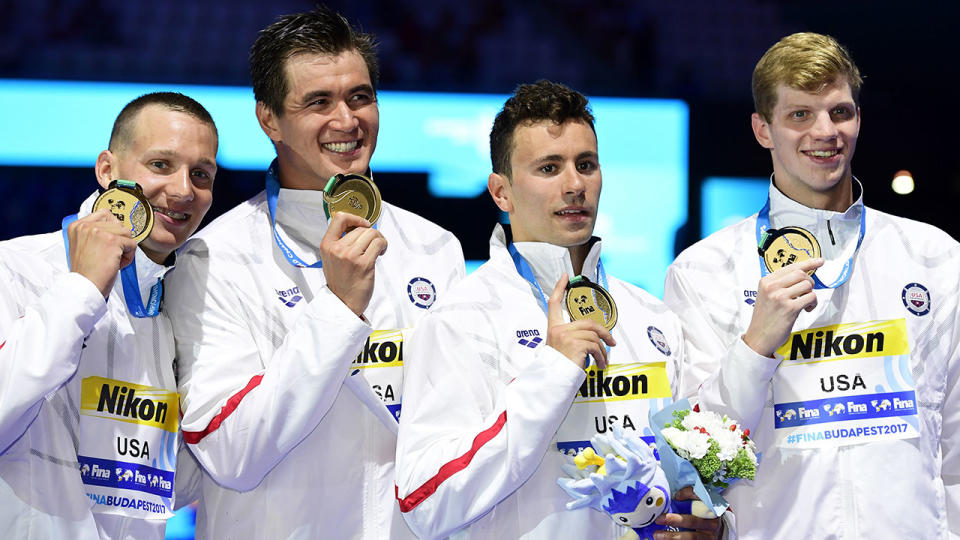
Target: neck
column 159, row 257
column 836, row 199
column 578, row 254
column 289, row 178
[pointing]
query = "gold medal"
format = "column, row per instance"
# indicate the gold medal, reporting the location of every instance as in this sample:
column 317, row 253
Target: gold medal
column 587, row 300
column 354, row 194
column 780, row 247
column 126, row 201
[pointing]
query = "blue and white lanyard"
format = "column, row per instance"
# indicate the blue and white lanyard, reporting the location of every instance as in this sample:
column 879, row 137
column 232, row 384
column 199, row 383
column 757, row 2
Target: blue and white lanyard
column 128, row 278
column 273, row 192
column 763, row 224
column 523, row 268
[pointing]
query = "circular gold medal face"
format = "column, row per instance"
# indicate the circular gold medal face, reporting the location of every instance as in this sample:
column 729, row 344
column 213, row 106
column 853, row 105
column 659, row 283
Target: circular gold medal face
column 790, row 245
column 587, row 300
column 127, row 203
column 354, row 194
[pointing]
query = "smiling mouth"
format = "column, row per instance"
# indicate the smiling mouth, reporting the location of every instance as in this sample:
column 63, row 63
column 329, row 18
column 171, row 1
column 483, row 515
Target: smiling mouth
column 571, row 212
column 822, row 153
column 342, row 147
column 178, row 216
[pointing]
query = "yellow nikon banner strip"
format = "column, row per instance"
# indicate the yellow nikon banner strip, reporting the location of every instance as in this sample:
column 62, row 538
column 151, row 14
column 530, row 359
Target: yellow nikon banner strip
column 620, row 382
column 384, row 348
column 128, row 402
column 845, row 341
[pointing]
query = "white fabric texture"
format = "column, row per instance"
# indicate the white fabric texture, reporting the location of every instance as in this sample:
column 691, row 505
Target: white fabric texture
column 904, row 488
column 471, row 384
column 56, row 330
column 263, row 350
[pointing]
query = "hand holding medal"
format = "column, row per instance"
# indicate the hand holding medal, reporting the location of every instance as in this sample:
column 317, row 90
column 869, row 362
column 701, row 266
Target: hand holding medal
column 582, row 336
column 106, row 240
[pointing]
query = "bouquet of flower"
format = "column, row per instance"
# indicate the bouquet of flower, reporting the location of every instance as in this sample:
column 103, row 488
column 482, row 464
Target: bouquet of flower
column 704, row 450
column 715, row 445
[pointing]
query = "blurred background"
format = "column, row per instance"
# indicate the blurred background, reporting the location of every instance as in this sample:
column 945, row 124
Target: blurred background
column 670, row 82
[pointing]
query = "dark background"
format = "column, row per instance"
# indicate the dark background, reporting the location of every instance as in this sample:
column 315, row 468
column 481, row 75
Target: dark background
column 702, row 51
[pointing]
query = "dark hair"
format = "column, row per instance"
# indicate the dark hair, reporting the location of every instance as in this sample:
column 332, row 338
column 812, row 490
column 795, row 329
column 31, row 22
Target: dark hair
column 531, row 103
column 321, row 31
column 174, row 101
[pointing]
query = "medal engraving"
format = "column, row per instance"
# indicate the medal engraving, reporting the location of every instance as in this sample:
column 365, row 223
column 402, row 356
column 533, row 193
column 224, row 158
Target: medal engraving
column 788, row 245
column 125, row 200
column 587, row 300
column 354, row 194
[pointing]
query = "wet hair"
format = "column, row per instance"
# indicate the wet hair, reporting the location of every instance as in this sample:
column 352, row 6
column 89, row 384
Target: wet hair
column 804, row 61
column 529, row 104
column 321, row 31
column 122, row 132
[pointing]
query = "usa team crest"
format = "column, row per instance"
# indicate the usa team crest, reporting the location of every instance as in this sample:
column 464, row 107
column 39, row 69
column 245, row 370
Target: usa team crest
column 421, row 292
column 916, row 298
column 658, row 339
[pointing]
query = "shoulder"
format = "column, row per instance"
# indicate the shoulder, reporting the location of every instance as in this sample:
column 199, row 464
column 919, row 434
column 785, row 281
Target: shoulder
column 720, row 247
column 415, row 229
column 926, row 239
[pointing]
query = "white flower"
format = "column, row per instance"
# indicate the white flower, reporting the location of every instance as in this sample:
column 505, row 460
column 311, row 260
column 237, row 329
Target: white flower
column 689, row 444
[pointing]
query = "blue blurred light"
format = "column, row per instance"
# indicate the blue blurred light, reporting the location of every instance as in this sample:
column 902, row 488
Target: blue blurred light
column 643, row 150
column 725, row 201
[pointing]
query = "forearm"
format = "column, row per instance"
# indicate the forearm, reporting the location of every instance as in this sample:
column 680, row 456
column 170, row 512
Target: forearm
column 242, row 414
column 41, row 349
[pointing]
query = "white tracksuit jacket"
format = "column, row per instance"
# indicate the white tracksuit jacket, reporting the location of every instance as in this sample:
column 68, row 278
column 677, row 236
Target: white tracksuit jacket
column 867, row 483
column 487, row 404
column 263, row 349
column 56, row 330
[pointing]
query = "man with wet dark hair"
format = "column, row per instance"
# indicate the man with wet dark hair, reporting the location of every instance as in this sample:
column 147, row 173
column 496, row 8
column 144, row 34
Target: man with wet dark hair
column 496, row 395
column 88, row 400
column 290, row 325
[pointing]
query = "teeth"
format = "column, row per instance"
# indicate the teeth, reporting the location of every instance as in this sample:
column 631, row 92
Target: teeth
column 822, row 153
column 561, row 212
column 171, row 213
column 341, row 146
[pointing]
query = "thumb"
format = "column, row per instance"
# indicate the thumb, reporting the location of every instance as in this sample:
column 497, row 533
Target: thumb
column 554, row 311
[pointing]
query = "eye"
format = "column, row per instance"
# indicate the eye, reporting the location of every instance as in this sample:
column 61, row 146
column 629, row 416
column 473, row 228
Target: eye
column 799, row 115
column 841, row 112
column 201, row 176
column 623, row 519
column 360, row 99
column 587, row 166
column 649, row 501
column 159, row 164
column 549, row 168
column 320, row 102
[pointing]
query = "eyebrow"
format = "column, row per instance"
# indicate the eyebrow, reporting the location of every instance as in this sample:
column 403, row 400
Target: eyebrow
column 557, row 157
column 310, row 96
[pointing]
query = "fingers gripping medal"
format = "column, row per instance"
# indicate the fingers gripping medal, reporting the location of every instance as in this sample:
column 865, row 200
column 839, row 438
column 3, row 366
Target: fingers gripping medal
column 354, row 194
column 126, row 201
column 587, row 300
column 780, row 247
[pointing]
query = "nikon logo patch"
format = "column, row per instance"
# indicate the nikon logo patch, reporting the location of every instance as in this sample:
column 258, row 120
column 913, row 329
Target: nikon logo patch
column 128, row 402
column 856, row 340
column 384, row 348
column 624, row 381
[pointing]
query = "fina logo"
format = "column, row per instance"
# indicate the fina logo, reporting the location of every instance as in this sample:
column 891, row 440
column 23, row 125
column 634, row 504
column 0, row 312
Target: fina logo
column 658, row 339
column 289, row 297
column 916, row 298
column 421, row 292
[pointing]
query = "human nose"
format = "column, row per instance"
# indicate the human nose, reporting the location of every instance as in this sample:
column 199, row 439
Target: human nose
column 181, row 185
column 824, row 127
column 573, row 182
column 343, row 117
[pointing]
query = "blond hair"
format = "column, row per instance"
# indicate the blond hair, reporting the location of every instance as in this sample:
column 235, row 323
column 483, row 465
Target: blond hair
column 804, row 61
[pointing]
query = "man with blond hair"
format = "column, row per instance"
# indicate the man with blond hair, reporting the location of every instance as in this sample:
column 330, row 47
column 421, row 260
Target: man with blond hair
column 843, row 359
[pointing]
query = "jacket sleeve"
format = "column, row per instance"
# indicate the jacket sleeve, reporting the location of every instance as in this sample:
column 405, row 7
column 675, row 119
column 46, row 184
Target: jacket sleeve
column 467, row 438
column 719, row 370
column 950, row 430
column 242, row 413
column 40, row 343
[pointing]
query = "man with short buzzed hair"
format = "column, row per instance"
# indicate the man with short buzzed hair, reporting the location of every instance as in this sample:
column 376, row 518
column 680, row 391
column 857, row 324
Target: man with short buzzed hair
column 88, row 401
column 831, row 329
